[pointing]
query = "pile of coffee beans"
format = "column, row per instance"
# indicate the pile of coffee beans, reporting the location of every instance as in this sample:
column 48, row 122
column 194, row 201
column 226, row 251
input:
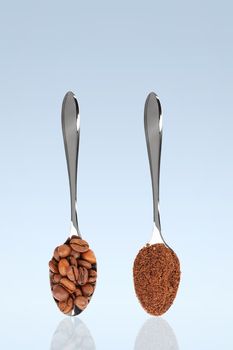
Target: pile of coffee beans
column 73, row 275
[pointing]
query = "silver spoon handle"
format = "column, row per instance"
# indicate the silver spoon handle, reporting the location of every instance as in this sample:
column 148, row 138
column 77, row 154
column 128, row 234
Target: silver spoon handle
column 153, row 132
column 71, row 133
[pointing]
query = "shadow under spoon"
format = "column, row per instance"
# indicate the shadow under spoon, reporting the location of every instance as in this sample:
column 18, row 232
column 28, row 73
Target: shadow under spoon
column 156, row 269
column 73, row 269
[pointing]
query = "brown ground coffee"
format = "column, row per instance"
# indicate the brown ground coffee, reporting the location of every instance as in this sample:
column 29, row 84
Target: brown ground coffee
column 156, row 274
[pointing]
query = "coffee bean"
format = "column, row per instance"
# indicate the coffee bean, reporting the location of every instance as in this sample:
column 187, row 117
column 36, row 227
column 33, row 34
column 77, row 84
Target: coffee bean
column 64, row 250
column 75, row 254
column 92, row 279
column 81, row 302
column 82, row 275
column 56, row 278
column 78, row 292
column 72, row 273
column 73, row 261
column 79, row 245
column 63, row 266
column 87, row 290
column 56, row 255
column 69, row 285
column 53, row 266
column 84, row 263
column 59, row 293
column 92, row 273
column 66, row 306
column 89, row 256
column 74, row 236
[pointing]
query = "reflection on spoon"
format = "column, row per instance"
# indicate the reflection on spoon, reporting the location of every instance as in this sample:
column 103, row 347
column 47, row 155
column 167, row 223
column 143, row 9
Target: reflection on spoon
column 72, row 334
column 156, row 334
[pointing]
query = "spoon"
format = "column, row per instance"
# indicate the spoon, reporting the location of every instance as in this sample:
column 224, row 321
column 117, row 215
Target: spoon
column 156, row 268
column 72, row 269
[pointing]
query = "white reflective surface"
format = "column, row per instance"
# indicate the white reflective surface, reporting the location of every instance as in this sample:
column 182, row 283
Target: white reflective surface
column 72, row 334
column 156, row 334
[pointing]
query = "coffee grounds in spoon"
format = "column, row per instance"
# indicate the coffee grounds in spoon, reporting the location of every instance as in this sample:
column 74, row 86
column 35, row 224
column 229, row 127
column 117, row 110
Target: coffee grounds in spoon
column 156, row 274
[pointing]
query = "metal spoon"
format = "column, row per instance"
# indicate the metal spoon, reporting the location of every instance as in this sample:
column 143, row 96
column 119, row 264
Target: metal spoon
column 157, row 260
column 73, row 265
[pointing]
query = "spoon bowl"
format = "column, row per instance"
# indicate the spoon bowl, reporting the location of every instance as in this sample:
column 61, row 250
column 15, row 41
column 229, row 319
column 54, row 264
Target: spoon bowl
column 73, row 273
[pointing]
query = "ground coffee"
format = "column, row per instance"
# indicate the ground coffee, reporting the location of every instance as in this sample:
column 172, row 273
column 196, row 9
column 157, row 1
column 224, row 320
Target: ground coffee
column 156, row 274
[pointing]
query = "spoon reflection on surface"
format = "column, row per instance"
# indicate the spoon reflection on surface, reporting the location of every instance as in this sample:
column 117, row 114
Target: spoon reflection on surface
column 72, row 334
column 156, row 334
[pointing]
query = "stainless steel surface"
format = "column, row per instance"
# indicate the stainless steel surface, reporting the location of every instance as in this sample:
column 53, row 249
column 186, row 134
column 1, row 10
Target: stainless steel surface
column 71, row 133
column 153, row 133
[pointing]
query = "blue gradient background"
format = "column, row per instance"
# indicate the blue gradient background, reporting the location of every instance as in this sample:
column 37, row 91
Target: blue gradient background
column 111, row 54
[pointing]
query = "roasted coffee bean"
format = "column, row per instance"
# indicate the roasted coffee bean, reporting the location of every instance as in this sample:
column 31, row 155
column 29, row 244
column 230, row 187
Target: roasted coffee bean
column 92, row 279
column 64, row 250
column 92, row 273
column 82, row 275
column 72, row 273
column 53, row 266
column 84, row 263
column 75, row 254
column 68, row 285
column 55, row 278
column 87, row 289
column 73, row 261
column 56, row 255
column 63, row 266
column 89, row 256
column 66, row 306
column 81, row 302
column 59, row 293
column 79, row 245
column 78, row 292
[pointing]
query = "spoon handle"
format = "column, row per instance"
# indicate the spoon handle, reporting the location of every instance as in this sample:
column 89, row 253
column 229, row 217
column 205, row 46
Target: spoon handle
column 71, row 133
column 153, row 132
